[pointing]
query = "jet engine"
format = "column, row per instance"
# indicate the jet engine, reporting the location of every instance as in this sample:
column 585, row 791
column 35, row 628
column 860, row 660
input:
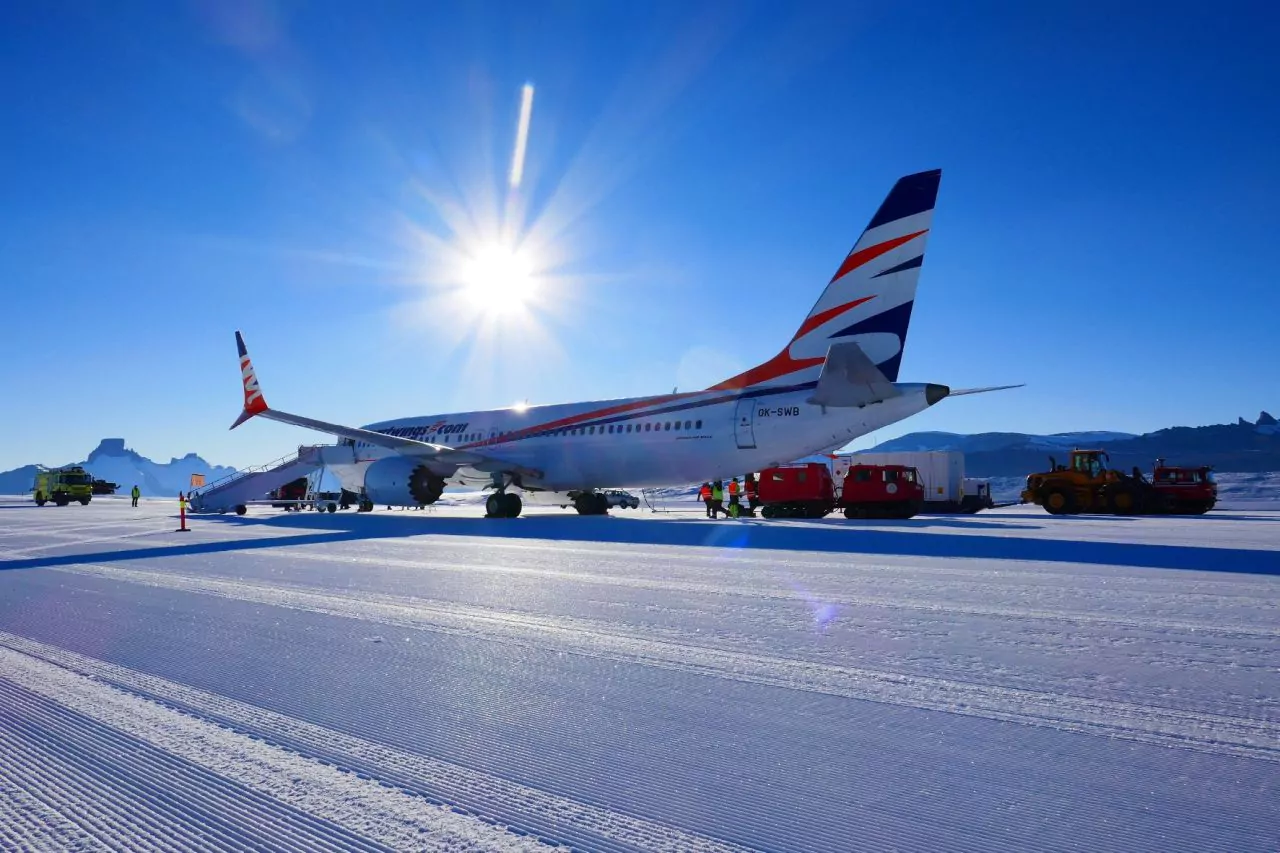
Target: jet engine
column 400, row 481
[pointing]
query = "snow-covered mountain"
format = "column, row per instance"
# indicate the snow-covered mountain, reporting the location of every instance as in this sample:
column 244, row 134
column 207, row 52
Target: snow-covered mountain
column 1240, row 447
column 112, row 461
column 986, row 441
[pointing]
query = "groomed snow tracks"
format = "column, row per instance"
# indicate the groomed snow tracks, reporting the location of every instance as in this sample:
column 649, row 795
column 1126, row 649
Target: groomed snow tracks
column 685, row 652
column 112, row 758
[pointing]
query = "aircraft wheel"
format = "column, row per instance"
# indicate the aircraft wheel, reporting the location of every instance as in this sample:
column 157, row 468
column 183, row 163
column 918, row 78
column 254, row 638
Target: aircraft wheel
column 494, row 506
column 332, row 508
column 512, row 505
column 241, row 509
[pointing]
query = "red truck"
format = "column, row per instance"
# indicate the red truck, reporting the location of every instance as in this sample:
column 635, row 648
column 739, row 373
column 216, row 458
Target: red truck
column 1184, row 491
column 807, row 490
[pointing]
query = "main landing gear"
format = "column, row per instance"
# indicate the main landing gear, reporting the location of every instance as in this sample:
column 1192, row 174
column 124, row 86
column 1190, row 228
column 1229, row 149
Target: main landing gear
column 503, row 505
column 591, row 503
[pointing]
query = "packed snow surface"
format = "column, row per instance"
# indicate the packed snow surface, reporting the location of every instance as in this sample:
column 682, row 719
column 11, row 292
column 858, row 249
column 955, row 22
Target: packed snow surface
column 432, row 680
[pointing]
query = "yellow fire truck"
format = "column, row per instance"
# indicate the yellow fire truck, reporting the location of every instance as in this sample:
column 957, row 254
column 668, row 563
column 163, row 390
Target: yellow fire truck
column 64, row 485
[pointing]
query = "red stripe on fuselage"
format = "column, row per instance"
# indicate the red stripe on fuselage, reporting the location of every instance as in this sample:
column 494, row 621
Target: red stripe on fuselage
column 780, row 365
column 574, row 420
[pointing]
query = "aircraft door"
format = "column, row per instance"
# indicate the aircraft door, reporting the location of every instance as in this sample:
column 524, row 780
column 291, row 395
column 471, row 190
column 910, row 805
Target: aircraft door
column 745, row 423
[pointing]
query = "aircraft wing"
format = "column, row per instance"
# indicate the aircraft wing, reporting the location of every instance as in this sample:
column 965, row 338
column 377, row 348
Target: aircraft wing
column 849, row 378
column 255, row 405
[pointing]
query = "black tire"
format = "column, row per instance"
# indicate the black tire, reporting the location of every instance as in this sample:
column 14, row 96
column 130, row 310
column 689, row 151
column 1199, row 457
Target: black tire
column 494, row 506
column 602, row 505
column 332, row 507
column 84, row 501
column 766, row 512
column 241, row 509
column 1058, row 501
column 512, row 505
column 854, row 512
column 41, row 500
column 1123, row 500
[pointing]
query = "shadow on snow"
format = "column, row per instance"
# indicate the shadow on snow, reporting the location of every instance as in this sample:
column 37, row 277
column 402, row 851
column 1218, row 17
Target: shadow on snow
column 827, row 536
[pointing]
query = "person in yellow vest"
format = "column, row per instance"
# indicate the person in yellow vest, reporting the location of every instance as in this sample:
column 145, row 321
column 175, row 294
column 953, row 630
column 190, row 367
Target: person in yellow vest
column 735, row 493
column 717, row 499
column 135, row 494
column 704, row 495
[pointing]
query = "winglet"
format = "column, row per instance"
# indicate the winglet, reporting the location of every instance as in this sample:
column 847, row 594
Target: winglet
column 960, row 392
column 254, row 402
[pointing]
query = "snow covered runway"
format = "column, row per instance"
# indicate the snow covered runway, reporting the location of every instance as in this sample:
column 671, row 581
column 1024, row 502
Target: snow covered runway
column 436, row 681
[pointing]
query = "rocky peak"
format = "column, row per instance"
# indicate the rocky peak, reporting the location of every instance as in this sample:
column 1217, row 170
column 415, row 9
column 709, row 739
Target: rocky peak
column 110, row 447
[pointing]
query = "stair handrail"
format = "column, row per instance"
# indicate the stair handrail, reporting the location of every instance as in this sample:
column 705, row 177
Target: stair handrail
column 287, row 459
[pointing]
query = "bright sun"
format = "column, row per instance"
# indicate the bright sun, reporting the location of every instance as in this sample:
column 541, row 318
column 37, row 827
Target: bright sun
column 497, row 279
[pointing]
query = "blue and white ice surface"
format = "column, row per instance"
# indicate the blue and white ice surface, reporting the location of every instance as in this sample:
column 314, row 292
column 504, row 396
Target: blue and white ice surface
column 408, row 680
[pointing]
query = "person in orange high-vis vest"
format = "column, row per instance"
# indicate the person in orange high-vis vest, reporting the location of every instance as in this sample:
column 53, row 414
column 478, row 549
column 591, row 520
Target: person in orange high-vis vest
column 752, row 489
column 735, row 491
column 704, row 495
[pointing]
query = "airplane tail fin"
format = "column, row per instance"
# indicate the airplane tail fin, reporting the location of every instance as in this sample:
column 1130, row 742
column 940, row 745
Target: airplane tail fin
column 869, row 299
column 254, row 402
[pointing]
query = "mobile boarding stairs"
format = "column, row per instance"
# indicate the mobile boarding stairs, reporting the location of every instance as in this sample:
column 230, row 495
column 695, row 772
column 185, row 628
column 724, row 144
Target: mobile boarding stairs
column 235, row 491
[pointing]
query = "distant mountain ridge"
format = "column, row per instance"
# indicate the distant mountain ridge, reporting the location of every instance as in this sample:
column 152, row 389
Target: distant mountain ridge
column 1245, row 447
column 112, row 460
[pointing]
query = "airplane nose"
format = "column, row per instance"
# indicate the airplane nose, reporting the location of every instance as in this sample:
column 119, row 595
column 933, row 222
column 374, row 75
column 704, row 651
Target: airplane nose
column 934, row 393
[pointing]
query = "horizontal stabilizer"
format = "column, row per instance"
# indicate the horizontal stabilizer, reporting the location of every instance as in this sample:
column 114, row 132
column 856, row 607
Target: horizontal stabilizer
column 849, row 378
column 962, row 391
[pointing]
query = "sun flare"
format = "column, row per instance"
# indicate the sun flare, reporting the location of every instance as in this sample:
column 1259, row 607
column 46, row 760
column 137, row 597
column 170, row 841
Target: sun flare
column 498, row 279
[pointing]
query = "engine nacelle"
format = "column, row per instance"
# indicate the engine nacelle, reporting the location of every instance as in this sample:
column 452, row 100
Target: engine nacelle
column 400, row 481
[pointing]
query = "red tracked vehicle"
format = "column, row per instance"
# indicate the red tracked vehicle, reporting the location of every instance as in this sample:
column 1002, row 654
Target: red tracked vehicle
column 807, row 490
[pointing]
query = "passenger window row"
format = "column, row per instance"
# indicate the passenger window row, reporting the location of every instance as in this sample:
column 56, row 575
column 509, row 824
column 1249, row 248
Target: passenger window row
column 604, row 429
column 617, row 429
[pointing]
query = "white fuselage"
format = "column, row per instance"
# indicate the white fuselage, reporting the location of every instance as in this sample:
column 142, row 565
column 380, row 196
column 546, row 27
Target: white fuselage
column 644, row 441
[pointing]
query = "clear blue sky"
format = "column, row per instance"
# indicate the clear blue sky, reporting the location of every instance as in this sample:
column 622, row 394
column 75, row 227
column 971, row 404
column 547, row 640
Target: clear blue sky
column 1105, row 231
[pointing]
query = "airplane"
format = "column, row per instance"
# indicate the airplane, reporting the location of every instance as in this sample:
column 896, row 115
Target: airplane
column 836, row 379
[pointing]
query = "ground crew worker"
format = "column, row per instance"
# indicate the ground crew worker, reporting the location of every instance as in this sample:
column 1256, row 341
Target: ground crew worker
column 704, row 495
column 735, row 504
column 752, row 489
column 135, row 494
column 717, row 499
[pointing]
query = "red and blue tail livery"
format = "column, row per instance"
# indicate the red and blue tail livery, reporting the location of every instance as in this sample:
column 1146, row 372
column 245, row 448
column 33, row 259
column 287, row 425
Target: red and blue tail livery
column 868, row 301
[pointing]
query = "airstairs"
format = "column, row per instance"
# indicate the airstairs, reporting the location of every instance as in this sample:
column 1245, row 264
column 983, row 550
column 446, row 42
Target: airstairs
column 251, row 484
